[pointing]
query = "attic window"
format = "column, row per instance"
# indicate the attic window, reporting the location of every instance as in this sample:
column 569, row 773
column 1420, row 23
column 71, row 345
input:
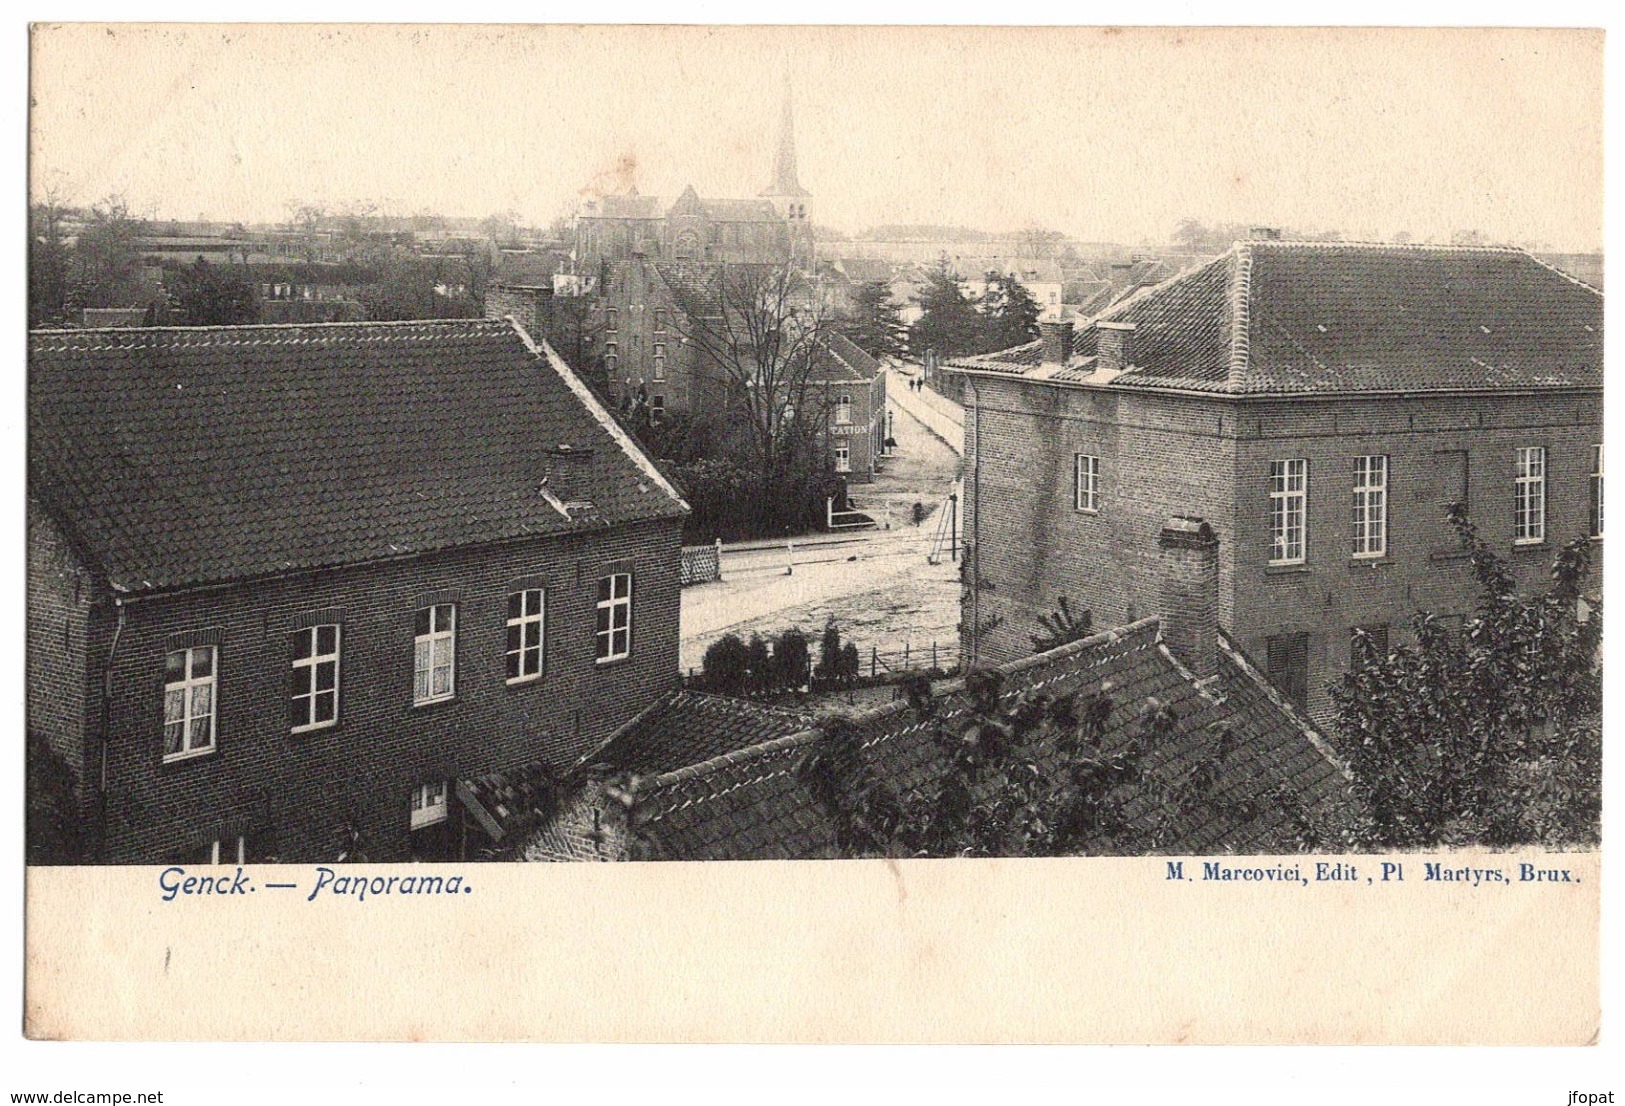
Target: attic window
column 1321, row 327
column 1485, row 329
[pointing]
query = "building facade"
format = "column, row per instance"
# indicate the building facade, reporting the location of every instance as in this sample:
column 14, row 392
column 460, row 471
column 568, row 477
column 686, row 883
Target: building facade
column 852, row 386
column 1321, row 406
column 388, row 560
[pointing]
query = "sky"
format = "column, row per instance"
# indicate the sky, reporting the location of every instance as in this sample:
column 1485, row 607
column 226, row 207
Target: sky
column 1104, row 135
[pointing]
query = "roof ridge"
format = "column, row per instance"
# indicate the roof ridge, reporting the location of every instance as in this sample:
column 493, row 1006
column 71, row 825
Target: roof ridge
column 337, row 325
column 1446, row 247
column 1233, row 651
column 1241, row 298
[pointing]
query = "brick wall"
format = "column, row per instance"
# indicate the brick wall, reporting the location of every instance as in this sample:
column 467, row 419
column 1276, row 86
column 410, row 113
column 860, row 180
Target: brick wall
column 1166, row 455
column 58, row 674
column 1333, row 591
column 1159, row 457
column 295, row 790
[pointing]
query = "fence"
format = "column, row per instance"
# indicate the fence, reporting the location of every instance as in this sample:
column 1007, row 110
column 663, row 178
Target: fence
column 702, row 563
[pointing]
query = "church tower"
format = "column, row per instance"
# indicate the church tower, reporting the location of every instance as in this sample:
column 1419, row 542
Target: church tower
column 789, row 199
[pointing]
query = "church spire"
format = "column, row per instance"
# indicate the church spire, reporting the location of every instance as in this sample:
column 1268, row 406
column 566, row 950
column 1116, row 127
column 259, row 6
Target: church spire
column 785, row 185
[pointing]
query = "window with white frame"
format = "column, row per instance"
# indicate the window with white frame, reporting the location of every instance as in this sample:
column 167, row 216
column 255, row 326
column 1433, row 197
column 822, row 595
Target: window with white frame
column 1371, row 506
column 614, row 630
column 1529, row 496
column 612, row 319
column 1596, row 493
column 434, row 653
column 1289, row 497
column 314, row 697
column 428, row 804
column 527, row 613
column 190, row 678
column 231, row 850
column 843, row 410
column 660, row 319
column 660, row 361
column 843, row 458
column 657, row 406
column 1085, row 482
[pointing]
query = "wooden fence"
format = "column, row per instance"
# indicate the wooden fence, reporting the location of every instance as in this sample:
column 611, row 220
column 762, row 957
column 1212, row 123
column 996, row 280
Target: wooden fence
column 702, row 563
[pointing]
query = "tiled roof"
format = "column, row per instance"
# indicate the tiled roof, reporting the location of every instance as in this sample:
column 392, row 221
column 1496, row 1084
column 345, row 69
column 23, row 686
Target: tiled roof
column 1335, row 318
column 690, row 727
column 532, row 268
column 186, row 456
column 753, row 804
column 838, row 358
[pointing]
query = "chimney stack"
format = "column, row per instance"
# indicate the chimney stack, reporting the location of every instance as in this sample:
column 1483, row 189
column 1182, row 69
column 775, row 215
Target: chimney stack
column 1114, row 346
column 1056, row 338
column 1190, row 593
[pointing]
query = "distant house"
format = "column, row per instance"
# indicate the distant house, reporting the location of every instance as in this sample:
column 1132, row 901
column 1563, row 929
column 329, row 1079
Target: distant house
column 1263, row 765
column 1320, row 405
column 311, row 592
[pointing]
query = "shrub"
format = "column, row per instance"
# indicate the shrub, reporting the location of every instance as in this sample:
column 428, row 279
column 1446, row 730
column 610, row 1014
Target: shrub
column 726, row 664
column 791, row 656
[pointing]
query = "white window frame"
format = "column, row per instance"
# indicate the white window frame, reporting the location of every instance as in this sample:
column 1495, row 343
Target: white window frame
column 1289, row 502
column 1086, row 483
column 1529, row 495
column 442, row 628
column 430, row 805
column 612, row 319
column 612, row 633
column 314, row 662
column 187, row 687
column 527, row 619
column 242, row 852
column 660, row 361
column 843, row 410
column 843, row 458
column 1370, row 505
column 660, row 320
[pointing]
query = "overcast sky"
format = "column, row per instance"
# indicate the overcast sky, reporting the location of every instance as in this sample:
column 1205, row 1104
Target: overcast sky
column 1105, row 135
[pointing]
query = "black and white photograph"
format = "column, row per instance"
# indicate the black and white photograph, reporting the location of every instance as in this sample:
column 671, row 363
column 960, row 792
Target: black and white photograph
column 453, row 452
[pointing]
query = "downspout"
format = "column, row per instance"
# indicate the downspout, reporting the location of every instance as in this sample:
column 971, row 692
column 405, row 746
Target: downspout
column 107, row 691
column 974, row 561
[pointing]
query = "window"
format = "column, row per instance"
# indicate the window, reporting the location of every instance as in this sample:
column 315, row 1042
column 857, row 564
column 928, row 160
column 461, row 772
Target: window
column 189, row 701
column 1370, row 506
column 657, row 406
column 527, row 612
column 660, row 322
column 614, row 616
column 843, row 458
column 1596, row 494
column 1288, row 501
column 1368, row 641
column 434, row 654
column 1287, row 666
column 428, row 804
column 843, row 410
column 314, row 700
column 612, row 319
column 1085, row 482
column 1529, row 496
column 660, row 361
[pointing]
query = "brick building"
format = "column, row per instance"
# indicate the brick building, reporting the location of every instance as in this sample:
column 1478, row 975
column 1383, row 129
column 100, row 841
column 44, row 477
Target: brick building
column 1320, row 405
column 295, row 591
column 852, row 385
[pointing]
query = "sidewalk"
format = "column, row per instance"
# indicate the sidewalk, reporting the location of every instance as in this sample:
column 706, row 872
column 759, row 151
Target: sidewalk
column 939, row 414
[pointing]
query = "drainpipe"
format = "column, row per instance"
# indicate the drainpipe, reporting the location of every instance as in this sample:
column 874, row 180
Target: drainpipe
column 973, row 562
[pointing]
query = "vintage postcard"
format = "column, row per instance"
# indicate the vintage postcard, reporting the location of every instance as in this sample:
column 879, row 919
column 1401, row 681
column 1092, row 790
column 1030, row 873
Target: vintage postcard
column 1107, row 523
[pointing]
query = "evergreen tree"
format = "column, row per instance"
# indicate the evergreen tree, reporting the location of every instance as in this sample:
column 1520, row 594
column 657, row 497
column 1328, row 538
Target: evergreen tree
column 949, row 324
column 874, row 326
column 1011, row 313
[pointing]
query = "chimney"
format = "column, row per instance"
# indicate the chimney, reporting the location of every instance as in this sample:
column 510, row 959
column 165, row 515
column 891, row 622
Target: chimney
column 1114, row 346
column 1056, row 338
column 1190, row 593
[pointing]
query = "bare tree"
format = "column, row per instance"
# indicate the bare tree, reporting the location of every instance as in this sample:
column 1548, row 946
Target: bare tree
column 759, row 331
